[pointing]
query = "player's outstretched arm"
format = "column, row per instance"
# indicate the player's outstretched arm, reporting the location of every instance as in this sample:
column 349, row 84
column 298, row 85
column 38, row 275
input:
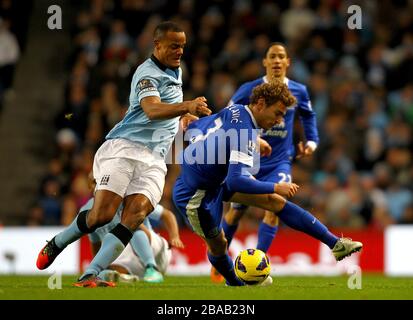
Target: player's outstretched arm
column 171, row 225
column 155, row 109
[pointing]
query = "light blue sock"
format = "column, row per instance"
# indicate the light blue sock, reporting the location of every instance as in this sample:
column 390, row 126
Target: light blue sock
column 229, row 230
column 141, row 245
column 266, row 235
column 69, row 235
column 225, row 267
column 111, row 248
column 302, row 220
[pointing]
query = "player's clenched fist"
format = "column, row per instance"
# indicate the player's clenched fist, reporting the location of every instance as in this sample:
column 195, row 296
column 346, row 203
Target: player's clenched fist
column 286, row 189
column 198, row 107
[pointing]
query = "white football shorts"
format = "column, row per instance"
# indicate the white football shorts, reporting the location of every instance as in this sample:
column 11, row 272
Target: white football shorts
column 126, row 168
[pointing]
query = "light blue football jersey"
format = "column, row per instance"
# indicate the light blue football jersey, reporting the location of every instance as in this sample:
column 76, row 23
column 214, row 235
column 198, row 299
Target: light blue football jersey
column 151, row 78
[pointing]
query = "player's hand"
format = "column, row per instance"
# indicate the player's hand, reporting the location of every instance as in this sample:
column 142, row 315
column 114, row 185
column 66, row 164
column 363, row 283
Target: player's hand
column 186, row 120
column 198, row 107
column 176, row 243
column 303, row 151
column 286, row 189
column 265, row 148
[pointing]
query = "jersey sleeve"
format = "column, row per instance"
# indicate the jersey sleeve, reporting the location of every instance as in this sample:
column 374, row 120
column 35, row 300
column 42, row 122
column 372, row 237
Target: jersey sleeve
column 241, row 96
column 147, row 86
column 308, row 116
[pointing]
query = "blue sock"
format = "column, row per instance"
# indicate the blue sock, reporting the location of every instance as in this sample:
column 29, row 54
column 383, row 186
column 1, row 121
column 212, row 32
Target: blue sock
column 141, row 245
column 266, row 235
column 229, row 230
column 69, row 235
column 225, row 267
column 300, row 219
column 111, row 248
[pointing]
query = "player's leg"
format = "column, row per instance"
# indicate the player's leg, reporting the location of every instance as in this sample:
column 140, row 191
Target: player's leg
column 142, row 194
column 192, row 205
column 267, row 231
column 220, row 259
column 136, row 207
column 112, row 181
column 162, row 251
column 231, row 220
column 269, row 225
column 229, row 225
column 302, row 220
column 141, row 244
column 123, row 269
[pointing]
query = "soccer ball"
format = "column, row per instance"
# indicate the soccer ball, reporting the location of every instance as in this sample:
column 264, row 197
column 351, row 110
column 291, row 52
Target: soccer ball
column 252, row 266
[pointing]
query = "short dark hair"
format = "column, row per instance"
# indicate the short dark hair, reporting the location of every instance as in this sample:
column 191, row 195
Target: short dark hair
column 162, row 28
column 272, row 93
column 277, row 44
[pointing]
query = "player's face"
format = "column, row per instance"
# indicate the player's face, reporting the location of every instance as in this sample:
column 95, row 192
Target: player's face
column 171, row 48
column 271, row 115
column 276, row 62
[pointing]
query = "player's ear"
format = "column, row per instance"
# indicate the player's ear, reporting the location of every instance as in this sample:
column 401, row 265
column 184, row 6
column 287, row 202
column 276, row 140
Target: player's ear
column 264, row 62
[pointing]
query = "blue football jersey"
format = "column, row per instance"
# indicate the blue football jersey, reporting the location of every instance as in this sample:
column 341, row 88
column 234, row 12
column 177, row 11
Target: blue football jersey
column 223, row 148
column 151, row 79
column 280, row 137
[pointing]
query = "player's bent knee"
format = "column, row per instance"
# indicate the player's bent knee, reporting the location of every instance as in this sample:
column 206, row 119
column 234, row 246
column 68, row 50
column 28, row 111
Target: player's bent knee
column 276, row 202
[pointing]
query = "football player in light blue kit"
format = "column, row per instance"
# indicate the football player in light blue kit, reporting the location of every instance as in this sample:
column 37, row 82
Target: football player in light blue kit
column 129, row 167
column 217, row 167
column 276, row 167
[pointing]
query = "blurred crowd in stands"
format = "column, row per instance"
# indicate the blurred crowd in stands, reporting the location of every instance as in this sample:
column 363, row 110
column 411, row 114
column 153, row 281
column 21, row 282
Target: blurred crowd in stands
column 360, row 84
column 13, row 30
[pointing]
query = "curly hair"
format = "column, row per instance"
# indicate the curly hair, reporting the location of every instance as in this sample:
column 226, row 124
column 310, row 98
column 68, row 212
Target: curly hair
column 272, row 93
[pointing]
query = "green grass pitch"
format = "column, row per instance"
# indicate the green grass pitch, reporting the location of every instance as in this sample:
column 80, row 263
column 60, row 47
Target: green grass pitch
column 200, row 288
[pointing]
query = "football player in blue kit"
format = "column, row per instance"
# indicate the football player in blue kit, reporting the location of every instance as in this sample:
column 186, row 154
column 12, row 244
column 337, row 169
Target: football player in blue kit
column 276, row 167
column 218, row 166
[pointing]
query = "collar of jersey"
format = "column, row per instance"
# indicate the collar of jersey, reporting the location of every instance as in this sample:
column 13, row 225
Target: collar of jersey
column 265, row 79
column 164, row 67
column 252, row 117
